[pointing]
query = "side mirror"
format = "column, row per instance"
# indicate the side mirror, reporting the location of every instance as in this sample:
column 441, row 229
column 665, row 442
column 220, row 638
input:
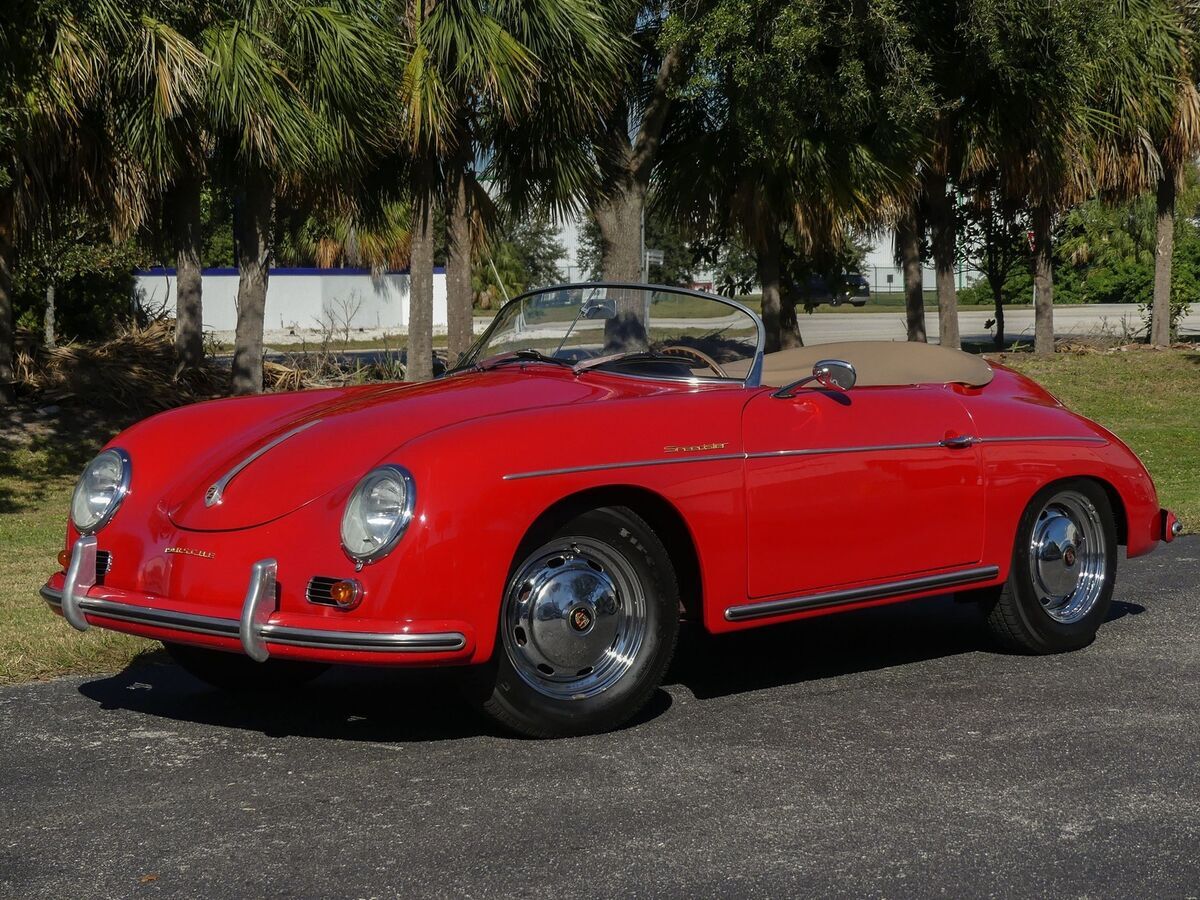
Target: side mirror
column 600, row 309
column 836, row 374
column 831, row 374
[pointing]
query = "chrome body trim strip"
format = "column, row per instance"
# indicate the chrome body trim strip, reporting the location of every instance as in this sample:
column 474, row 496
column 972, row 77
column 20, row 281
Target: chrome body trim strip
column 363, row 641
column 822, row 451
column 768, row 608
column 517, row 476
column 957, row 443
column 216, row 491
column 1044, row 438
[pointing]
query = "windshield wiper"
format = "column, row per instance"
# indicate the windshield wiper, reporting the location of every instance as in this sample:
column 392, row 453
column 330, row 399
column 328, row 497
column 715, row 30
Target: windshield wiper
column 524, row 355
column 595, row 361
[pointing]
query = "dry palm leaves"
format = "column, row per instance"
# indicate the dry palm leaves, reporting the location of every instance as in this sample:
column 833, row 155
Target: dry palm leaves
column 134, row 370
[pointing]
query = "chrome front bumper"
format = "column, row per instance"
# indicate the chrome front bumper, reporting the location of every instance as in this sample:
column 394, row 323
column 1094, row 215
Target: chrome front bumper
column 254, row 629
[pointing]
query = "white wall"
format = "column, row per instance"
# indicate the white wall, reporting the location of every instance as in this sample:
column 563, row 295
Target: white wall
column 302, row 299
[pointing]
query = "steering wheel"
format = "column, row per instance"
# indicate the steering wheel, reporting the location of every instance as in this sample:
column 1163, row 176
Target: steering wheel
column 695, row 354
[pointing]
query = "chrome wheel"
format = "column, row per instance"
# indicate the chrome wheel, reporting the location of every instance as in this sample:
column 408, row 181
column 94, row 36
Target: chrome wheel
column 1068, row 556
column 574, row 618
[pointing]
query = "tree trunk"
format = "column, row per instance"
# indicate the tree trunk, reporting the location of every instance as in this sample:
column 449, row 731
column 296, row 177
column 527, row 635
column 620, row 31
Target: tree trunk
column 908, row 247
column 997, row 286
column 1043, row 282
column 460, row 332
column 1164, row 250
column 620, row 221
column 779, row 320
column 253, row 235
column 7, row 332
column 189, row 313
column 48, row 337
column 941, row 206
column 420, row 294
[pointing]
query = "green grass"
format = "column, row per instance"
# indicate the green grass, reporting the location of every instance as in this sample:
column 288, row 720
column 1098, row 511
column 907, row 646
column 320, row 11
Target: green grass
column 39, row 460
column 1151, row 400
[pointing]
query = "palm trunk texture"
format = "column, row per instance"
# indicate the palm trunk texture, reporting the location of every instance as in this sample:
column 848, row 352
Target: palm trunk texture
column 189, row 311
column 419, row 365
column 253, row 227
column 908, row 243
column 1043, row 282
column 1164, row 249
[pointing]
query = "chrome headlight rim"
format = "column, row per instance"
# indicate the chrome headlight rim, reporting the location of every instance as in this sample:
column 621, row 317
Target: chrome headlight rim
column 399, row 527
column 122, row 490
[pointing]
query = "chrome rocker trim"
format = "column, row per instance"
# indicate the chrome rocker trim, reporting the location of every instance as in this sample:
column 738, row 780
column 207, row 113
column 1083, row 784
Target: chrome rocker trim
column 855, row 595
column 253, row 629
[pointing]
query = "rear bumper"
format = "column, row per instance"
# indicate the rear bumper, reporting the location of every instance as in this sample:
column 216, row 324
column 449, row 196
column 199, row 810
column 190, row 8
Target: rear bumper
column 1171, row 526
column 260, row 632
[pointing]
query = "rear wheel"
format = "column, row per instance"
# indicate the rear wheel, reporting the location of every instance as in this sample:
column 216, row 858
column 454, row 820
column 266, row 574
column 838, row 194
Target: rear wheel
column 234, row 672
column 1063, row 571
column 587, row 628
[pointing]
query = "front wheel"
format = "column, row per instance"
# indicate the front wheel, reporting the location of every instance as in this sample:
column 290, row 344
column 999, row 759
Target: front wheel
column 1063, row 571
column 587, row 628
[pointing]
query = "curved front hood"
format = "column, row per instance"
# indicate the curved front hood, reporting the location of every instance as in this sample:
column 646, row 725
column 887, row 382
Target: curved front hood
column 267, row 471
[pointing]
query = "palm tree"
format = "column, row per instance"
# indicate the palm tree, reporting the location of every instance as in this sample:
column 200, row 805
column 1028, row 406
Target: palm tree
column 814, row 138
column 293, row 93
column 53, row 64
column 1033, row 120
column 1152, row 126
column 157, row 115
column 478, row 72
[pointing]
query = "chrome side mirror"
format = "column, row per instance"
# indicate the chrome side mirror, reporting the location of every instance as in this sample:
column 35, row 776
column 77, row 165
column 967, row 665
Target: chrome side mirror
column 831, row 374
column 600, row 309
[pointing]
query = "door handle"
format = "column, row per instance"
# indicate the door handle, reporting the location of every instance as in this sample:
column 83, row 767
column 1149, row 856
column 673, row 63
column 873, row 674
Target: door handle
column 957, row 441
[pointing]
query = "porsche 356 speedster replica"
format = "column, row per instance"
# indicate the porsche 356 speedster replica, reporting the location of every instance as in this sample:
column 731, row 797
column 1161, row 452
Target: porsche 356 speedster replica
column 593, row 470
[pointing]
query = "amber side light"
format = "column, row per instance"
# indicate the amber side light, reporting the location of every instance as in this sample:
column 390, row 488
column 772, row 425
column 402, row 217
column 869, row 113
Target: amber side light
column 346, row 594
column 64, row 558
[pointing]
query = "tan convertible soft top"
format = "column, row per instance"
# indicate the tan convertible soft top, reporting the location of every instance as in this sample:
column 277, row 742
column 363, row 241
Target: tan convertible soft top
column 877, row 363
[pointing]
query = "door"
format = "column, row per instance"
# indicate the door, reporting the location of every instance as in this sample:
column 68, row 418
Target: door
column 862, row 486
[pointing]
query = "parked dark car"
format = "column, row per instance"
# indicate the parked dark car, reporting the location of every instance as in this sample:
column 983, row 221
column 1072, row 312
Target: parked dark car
column 849, row 287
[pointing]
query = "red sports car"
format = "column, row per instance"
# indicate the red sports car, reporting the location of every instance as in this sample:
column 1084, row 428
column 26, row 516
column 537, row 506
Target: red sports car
column 589, row 473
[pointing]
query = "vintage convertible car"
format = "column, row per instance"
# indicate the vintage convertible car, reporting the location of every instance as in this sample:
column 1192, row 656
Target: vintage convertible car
column 589, row 473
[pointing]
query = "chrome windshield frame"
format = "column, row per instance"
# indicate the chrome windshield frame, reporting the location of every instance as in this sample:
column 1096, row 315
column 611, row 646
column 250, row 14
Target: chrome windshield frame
column 753, row 376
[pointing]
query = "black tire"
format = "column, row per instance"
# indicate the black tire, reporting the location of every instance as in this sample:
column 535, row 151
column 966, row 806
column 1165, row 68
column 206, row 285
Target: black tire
column 240, row 674
column 627, row 556
column 1021, row 615
column 859, row 303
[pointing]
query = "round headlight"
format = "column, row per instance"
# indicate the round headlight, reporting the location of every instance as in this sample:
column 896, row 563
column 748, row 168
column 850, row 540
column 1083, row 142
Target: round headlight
column 100, row 490
column 377, row 513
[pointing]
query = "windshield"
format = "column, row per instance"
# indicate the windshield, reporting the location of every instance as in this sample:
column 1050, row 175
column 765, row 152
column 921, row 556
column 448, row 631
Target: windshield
column 637, row 330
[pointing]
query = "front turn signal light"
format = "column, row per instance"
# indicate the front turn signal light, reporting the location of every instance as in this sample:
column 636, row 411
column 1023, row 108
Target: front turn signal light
column 64, row 558
column 346, row 594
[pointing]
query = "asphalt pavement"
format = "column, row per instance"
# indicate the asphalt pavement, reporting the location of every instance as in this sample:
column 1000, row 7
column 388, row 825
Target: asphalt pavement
column 889, row 752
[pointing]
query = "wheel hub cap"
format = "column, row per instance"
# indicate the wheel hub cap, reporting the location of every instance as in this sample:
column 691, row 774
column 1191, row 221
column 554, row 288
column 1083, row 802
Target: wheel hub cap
column 1067, row 561
column 575, row 617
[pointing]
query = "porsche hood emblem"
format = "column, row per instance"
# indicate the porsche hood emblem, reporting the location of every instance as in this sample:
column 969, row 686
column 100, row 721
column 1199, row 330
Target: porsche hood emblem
column 188, row 551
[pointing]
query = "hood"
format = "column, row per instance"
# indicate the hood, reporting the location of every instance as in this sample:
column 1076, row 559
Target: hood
column 271, row 468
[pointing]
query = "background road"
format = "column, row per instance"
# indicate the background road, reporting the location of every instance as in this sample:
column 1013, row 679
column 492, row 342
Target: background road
column 888, row 752
column 1113, row 319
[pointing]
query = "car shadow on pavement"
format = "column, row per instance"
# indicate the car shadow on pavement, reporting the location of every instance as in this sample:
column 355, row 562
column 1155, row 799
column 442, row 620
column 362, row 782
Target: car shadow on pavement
column 417, row 705
column 826, row 647
column 346, row 703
